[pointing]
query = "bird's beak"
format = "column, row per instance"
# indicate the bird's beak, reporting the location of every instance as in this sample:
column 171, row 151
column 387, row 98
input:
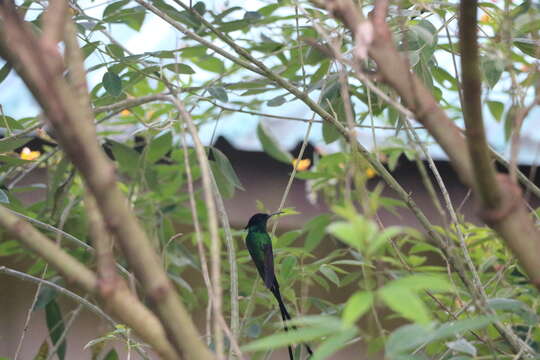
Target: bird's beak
column 276, row 213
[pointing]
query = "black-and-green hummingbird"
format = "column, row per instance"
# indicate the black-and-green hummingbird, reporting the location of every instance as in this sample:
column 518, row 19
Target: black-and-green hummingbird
column 259, row 245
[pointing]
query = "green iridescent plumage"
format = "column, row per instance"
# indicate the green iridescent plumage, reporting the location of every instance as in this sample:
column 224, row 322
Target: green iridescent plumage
column 259, row 245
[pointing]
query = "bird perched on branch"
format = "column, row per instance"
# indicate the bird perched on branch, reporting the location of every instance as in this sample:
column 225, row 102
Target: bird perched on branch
column 259, row 245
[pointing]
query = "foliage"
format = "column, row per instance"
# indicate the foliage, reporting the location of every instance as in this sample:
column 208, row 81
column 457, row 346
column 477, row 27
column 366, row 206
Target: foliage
column 385, row 270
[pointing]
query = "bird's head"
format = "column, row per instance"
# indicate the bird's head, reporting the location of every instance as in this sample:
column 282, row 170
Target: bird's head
column 259, row 220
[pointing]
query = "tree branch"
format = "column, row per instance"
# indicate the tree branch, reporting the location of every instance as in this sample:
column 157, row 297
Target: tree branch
column 484, row 173
column 123, row 304
column 74, row 131
column 511, row 214
column 102, row 240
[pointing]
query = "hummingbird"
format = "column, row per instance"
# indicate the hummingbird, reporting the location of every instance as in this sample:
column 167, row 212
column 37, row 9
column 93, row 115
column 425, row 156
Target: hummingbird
column 259, row 245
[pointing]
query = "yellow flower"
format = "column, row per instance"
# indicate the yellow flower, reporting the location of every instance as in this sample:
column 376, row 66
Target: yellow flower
column 27, row 154
column 125, row 112
column 302, row 164
column 370, row 173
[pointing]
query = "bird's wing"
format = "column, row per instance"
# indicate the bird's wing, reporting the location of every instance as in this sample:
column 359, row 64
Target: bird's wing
column 269, row 275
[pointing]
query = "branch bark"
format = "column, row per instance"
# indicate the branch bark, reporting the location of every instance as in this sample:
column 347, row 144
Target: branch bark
column 124, row 305
column 485, row 182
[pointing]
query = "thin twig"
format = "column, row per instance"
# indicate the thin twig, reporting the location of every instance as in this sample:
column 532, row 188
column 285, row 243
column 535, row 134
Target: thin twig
column 484, row 173
column 29, row 313
column 62, row 290
column 212, row 223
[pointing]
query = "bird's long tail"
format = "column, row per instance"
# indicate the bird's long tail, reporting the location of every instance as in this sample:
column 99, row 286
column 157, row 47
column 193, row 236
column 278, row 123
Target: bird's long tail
column 286, row 316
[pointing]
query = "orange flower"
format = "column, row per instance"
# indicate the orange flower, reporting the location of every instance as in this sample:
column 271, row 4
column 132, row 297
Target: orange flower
column 27, row 154
column 125, row 112
column 485, row 18
column 302, row 164
column 370, row 173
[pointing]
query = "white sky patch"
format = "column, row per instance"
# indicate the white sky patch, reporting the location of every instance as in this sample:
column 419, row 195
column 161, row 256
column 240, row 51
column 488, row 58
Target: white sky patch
column 156, row 34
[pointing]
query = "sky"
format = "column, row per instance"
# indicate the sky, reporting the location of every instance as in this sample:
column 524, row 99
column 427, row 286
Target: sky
column 240, row 128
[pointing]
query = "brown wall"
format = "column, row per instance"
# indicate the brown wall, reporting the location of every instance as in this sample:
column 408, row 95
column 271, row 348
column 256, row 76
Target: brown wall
column 263, row 179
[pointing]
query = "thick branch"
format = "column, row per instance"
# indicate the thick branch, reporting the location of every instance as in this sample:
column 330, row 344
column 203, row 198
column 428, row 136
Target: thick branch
column 54, row 19
column 74, row 132
column 124, row 305
column 103, row 244
column 484, row 173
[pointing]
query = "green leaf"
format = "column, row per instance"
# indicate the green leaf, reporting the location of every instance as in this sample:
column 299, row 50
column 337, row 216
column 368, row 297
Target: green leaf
column 89, row 48
column 333, row 343
column 10, row 123
column 332, row 102
column 252, row 15
column 115, row 51
column 219, row 93
column 111, row 355
column 496, row 108
column 515, row 307
column 492, row 69
column 282, row 339
column 127, row 158
column 288, row 264
column 527, row 23
column 509, row 121
column 345, row 232
column 462, row 346
column 115, row 6
column 277, row 101
column 12, row 144
column 423, row 71
column 180, row 68
column 288, row 238
column 225, row 187
column 4, row 197
column 42, row 352
column 132, row 17
column 405, row 302
column 194, row 51
column 55, row 324
column 444, row 78
column 316, row 231
column 382, row 238
column 454, row 328
column 159, row 146
column 329, row 132
column 45, row 296
column 406, row 338
column 226, row 168
column 528, row 49
column 9, row 248
column 112, row 83
column 357, row 305
column 4, row 71
column 271, row 146
column 329, row 273
column 253, row 331
column 210, row 63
